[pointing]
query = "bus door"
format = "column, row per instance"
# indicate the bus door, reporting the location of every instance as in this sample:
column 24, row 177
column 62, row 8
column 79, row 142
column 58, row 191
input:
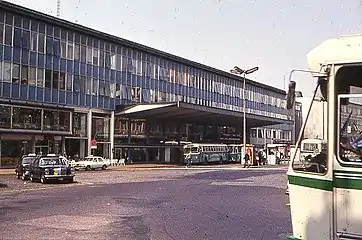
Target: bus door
column 348, row 168
column 311, row 190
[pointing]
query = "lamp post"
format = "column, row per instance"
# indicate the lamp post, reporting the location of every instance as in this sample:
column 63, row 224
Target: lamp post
column 239, row 71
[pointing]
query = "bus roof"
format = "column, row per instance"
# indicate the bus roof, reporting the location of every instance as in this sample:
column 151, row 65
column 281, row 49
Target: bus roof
column 204, row 144
column 344, row 49
column 313, row 140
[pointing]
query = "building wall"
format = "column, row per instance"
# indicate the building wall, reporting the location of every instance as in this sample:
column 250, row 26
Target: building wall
column 71, row 80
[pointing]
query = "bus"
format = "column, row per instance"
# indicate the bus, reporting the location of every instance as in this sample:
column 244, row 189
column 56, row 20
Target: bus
column 205, row 153
column 236, row 152
column 325, row 195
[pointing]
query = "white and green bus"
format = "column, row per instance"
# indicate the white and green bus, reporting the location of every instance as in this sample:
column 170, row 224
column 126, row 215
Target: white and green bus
column 325, row 196
column 205, row 153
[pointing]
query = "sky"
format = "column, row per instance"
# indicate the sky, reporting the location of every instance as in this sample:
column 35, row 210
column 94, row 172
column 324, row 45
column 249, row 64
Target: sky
column 274, row 35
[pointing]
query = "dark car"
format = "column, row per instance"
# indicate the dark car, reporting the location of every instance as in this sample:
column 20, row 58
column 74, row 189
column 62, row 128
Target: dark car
column 22, row 169
column 51, row 167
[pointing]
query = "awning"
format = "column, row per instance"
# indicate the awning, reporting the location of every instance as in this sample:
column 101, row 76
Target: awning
column 192, row 113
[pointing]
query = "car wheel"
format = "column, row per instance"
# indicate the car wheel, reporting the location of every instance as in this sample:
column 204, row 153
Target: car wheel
column 43, row 180
column 104, row 167
column 23, row 177
column 32, row 179
column 17, row 176
column 88, row 168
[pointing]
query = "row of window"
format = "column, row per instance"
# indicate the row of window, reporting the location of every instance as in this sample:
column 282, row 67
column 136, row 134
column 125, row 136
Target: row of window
column 271, row 134
column 26, row 118
column 44, row 38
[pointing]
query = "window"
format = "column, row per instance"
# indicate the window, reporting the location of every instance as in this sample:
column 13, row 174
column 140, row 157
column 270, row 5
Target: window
column 83, row 53
column 26, row 118
column 95, row 86
column 48, row 78
column 113, row 61
column 24, row 75
column 1, row 33
column 88, row 85
column 32, row 76
column 69, row 80
column 40, row 77
column 76, row 51
column 16, row 73
column 34, row 41
column 41, row 43
column 62, row 81
column 55, row 79
column 63, row 49
column 89, row 55
column 5, row 117
column 7, row 72
column 82, row 83
column 70, row 51
column 8, row 35
column 95, row 56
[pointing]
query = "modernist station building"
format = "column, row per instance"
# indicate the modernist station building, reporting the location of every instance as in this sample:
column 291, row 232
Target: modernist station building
column 65, row 88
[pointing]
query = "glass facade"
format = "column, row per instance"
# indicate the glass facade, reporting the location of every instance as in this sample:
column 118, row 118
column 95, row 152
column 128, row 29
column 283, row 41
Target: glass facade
column 46, row 63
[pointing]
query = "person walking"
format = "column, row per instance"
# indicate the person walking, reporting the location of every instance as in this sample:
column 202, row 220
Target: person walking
column 246, row 160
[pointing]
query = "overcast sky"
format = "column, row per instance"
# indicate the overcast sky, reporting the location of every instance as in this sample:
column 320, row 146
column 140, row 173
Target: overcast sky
column 274, row 35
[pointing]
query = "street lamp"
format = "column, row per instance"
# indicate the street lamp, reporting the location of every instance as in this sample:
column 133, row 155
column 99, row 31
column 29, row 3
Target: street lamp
column 240, row 71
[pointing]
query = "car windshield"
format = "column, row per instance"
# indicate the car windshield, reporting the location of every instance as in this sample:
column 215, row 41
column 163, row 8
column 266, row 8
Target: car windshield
column 187, row 150
column 194, row 149
column 27, row 160
column 51, row 161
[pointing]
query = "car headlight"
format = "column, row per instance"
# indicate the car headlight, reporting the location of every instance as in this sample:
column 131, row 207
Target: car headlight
column 46, row 171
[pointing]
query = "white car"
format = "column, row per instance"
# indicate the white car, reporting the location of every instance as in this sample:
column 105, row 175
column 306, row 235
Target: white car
column 92, row 163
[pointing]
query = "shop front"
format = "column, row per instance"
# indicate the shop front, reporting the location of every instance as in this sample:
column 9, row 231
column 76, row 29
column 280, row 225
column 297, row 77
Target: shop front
column 25, row 129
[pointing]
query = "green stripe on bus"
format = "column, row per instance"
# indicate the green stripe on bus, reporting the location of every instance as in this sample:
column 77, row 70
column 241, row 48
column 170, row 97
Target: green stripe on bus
column 348, row 183
column 293, row 238
column 348, row 172
column 311, row 182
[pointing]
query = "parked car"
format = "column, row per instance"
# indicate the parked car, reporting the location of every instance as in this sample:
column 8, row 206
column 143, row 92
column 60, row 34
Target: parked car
column 51, row 167
column 22, row 168
column 92, row 163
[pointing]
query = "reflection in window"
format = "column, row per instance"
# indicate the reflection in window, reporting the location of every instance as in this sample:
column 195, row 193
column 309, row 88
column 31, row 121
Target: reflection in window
column 69, row 82
column 16, row 73
column 5, row 117
column 55, row 80
column 88, row 85
column 56, row 120
column 7, row 72
column 26, row 118
column 62, row 81
column 100, row 128
column 350, row 129
column 24, row 75
column 32, row 76
column 79, row 124
column 40, row 77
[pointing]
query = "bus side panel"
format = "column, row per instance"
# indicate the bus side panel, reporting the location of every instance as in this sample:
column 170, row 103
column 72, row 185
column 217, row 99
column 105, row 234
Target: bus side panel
column 348, row 204
column 310, row 206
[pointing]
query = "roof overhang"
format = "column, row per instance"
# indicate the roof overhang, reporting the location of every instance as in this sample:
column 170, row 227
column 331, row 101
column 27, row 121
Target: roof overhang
column 192, row 113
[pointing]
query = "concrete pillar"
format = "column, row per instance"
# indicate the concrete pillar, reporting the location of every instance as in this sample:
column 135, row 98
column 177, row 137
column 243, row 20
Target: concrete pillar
column 89, row 132
column 111, row 135
column 147, row 132
column 82, row 148
column 32, row 144
column 63, row 150
column 129, row 154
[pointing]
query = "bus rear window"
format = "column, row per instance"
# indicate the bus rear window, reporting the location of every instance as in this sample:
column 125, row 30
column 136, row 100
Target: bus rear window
column 194, row 149
column 310, row 147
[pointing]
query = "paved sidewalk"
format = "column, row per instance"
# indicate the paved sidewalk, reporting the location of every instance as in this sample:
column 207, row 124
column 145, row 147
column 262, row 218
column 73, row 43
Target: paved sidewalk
column 145, row 167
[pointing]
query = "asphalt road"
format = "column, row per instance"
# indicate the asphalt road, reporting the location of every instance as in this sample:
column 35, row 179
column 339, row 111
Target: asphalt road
column 155, row 204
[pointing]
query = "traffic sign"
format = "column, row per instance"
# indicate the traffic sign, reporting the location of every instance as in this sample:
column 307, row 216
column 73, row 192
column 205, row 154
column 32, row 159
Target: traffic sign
column 94, row 142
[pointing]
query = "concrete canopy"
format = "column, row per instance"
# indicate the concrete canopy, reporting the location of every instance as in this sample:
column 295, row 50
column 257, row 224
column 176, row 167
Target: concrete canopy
column 192, row 113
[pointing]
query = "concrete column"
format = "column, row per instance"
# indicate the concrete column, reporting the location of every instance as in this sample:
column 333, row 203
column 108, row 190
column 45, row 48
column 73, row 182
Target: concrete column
column 32, row 144
column 129, row 154
column 89, row 132
column 82, row 149
column 147, row 132
column 111, row 135
column 63, row 150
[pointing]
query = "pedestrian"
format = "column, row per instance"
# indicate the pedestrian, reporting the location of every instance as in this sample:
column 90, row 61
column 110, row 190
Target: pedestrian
column 246, row 160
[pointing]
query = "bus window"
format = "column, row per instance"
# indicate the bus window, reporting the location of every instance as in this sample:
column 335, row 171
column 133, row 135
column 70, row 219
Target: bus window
column 309, row 156
column 350, row 126
column 194, row 149
column 187, row 150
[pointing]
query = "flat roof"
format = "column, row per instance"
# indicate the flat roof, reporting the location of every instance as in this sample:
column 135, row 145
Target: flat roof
column 101, row 35
column 193, row 113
